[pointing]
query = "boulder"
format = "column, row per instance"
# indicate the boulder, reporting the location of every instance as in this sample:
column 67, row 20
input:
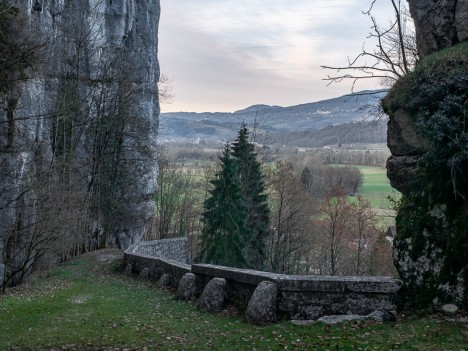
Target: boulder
column 262, row 306
column 213, row 296
column 144, row 274
column 128, row 269
column 187, row 289
column 164, row 281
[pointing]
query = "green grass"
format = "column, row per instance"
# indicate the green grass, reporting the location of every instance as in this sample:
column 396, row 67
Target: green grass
column 376, row 189
column 85, row 305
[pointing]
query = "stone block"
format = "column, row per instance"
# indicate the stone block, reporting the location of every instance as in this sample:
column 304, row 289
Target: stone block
column 213, row 297
column 164, row 281
column 144, row 274
column 128, row 269
column 262, row 306
column 187, row 289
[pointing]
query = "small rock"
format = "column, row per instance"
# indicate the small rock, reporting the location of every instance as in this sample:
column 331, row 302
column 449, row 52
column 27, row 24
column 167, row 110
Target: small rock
column 449, row 309
column 435, row 301
column 377, row 316
column 128, row 269
column 164, row 281
column 187, row 289
column 144, row 274
column 261, row 309
column 213, row 296
column 334, row 319
column 313, row 312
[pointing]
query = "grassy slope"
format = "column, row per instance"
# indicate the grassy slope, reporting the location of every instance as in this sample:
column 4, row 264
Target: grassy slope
column 85, row 305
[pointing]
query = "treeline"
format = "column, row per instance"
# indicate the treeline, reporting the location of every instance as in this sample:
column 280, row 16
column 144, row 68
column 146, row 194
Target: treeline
column 202, row 152
column 347, row 133
column 312, row 227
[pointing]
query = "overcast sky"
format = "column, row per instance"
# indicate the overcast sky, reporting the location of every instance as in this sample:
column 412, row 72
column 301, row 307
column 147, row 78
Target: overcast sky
column 225, row 55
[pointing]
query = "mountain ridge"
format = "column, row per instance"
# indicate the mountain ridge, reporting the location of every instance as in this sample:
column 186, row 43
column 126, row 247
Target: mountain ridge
column 195, row 126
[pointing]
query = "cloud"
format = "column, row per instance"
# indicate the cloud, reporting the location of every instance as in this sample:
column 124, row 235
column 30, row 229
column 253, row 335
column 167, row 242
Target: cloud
column 226, row 54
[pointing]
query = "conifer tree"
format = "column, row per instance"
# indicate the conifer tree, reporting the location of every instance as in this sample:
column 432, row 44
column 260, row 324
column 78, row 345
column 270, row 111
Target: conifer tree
column 254, row 197
column 224, row 234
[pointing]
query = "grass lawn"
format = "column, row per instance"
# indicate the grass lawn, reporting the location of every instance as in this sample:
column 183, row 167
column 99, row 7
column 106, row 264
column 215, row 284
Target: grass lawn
column 85, row 305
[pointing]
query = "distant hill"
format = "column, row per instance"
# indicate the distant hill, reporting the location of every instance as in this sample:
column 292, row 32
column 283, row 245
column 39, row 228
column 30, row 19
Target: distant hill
column 276, row 121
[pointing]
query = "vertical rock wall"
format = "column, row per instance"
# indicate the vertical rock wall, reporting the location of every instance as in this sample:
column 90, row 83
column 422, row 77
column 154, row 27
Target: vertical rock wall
column 427, row 135
column 439, row 23
column 78, row 130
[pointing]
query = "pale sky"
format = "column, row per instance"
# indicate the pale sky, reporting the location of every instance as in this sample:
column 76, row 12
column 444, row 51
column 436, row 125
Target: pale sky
column 225, row 55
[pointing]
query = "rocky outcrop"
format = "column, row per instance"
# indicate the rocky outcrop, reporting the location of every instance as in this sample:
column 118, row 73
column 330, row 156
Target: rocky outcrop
column 427, row 135
column 439, row 24
column 78, row 156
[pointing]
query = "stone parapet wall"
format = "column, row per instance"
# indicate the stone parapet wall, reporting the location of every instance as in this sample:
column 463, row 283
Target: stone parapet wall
column 304, row 296
column 299, row 296
column 176, row 249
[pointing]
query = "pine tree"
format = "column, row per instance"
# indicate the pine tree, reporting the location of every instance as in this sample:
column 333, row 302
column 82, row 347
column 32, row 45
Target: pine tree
column 224, row 234
column 254, row 197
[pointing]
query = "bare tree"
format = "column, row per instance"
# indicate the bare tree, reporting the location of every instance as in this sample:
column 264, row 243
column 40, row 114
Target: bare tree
column 394, row 55
column 291, row 214
column 178, row 203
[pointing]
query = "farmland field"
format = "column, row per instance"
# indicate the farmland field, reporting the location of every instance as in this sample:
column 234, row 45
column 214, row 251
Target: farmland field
column 376, row 189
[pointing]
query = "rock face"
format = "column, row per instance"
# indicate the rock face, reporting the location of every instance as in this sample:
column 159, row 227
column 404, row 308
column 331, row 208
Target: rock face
column 439, row 24
column 427, row 136
column 78, row 155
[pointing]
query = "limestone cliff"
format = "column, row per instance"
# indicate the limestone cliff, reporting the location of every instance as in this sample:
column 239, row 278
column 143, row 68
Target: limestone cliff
column 78, row 127
column 439, row 23
column 428, row 138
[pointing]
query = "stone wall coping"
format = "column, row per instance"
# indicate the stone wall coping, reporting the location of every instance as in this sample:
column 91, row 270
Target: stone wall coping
column 164, row 260
column 134, row 248
column 302, row 282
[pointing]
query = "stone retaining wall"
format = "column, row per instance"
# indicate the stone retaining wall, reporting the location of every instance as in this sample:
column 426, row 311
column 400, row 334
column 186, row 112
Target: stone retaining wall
column 299, row 296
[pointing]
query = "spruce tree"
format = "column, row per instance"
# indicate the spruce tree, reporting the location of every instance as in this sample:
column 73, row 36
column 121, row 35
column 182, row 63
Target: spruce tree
column 224, row 234
column 254, row 197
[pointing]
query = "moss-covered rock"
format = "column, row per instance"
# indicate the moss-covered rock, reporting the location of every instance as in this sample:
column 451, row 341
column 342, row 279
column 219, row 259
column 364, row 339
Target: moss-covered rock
column 428, row 111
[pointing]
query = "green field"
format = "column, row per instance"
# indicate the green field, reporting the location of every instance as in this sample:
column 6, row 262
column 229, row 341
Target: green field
column 86, row 305
column 376, row 189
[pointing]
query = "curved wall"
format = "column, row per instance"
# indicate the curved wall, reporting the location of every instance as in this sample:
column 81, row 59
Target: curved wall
column 300, row 296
